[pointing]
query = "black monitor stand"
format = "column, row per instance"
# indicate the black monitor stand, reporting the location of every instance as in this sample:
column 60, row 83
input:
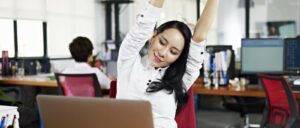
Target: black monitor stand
column 108, row 18
column 108, row 21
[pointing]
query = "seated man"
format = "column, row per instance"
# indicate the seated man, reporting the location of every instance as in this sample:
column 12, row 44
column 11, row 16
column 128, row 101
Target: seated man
column 81, row 50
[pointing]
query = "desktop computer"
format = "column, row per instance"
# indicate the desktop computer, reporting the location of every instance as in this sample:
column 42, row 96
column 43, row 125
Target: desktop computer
column 292, row 57
column 262, row 56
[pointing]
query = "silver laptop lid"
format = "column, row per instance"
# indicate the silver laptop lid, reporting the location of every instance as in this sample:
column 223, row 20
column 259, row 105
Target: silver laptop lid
column 84, row 112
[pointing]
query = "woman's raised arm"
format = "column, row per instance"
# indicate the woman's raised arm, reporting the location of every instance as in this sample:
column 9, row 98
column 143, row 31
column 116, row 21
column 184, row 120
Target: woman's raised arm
column 204, row 23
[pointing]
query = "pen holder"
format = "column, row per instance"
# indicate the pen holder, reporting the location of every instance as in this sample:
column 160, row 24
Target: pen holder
column 9, row 116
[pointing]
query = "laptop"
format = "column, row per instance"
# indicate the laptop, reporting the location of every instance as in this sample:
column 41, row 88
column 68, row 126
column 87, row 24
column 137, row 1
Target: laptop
column 86, row 112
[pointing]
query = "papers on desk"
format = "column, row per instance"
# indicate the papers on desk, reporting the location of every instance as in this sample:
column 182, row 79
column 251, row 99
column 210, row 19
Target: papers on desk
column 296, row 82
column 38, row 77
column 9, row 117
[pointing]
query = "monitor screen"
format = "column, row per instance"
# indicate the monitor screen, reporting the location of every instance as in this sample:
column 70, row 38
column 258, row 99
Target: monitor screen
column 262, row 56
column 292, row 56
column 7, row 41
column 30, row 38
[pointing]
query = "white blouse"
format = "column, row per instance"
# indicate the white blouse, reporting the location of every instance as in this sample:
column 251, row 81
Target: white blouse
column 135, row 72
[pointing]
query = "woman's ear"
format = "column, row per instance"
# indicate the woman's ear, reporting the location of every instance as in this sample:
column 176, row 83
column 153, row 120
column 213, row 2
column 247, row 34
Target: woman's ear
column 153, row 35
column 90, row 59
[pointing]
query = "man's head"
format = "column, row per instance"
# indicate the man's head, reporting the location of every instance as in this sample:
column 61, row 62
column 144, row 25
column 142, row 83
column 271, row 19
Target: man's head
column 81, row 49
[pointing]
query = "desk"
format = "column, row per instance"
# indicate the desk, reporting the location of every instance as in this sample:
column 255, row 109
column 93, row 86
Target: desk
column 251, row 91
column 34, row 80
column 41, row 80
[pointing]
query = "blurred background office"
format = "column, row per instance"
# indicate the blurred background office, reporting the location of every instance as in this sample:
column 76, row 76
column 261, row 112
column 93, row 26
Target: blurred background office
column 66, row 19
column 37, row 33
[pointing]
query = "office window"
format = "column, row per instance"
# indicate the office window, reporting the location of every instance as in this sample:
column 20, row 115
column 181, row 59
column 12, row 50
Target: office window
column 7, row 37
column 30, row 38
column 66, row 19
column 275, row 18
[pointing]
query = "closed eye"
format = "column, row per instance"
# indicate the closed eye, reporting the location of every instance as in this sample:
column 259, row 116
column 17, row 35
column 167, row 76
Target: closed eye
column 162, row 42
column 174, row 52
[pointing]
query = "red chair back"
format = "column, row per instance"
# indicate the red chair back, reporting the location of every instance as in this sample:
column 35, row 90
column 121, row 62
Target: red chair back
column 281, row 101
column 78, row 84
column 186, row 118
column 113, row 89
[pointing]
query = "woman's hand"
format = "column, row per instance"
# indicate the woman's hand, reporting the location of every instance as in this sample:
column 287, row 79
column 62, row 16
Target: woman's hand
column 204, row 23
column 112, row 77
column 157, row 3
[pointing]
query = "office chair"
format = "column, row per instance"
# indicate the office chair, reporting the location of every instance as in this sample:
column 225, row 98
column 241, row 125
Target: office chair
column 245, row 106
column 282, row 109
column 186, row 118
column 78, row 84
column 113, row 89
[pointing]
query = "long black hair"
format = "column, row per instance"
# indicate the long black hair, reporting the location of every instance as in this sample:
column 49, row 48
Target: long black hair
column 172, row 79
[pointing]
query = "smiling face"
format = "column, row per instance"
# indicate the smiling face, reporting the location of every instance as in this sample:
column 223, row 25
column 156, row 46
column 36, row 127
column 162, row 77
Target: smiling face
column 165, row 48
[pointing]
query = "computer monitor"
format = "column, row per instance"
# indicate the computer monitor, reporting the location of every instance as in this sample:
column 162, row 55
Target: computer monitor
column 7, row 41
column 291, row 54
column 30, row 39
column 262, row 56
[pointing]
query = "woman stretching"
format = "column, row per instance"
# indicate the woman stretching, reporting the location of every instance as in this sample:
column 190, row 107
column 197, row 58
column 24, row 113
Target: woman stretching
column 171, row 65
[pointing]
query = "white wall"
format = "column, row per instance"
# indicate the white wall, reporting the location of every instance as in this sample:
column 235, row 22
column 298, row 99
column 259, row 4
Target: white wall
column 182, row 10
column 231, row 23
column 70, row 18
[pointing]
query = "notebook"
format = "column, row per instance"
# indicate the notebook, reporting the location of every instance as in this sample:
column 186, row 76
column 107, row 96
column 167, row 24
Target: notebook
column 84, row 112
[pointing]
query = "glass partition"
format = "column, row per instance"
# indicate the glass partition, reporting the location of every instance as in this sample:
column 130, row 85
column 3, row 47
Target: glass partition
column 275, row 18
